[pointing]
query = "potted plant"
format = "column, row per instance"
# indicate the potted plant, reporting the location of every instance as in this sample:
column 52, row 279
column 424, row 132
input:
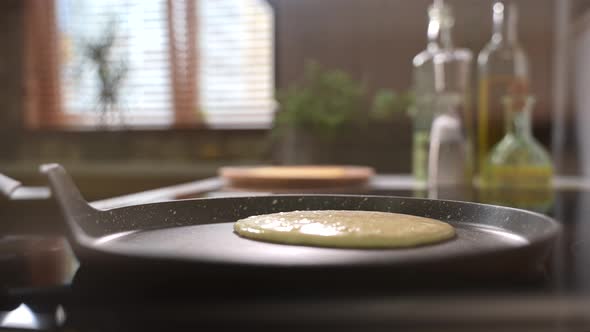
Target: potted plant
column 330, row 118
column 109, row 70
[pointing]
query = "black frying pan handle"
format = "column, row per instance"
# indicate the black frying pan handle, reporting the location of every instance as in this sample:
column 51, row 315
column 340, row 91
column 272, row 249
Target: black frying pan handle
column 65, row 191
column 8, row 185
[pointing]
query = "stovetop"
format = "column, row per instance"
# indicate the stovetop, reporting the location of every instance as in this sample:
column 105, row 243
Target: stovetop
column 45, row 289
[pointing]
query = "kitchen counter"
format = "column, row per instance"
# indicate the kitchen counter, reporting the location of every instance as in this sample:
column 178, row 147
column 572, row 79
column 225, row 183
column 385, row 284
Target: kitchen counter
column 73, row 298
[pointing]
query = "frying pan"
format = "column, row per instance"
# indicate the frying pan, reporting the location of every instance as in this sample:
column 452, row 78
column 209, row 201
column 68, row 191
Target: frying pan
column 195, row 237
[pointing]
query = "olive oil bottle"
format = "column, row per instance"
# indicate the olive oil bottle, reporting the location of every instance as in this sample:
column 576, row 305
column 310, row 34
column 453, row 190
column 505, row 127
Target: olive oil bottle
column 519, row 170
column 503, row 69
column 518, row 160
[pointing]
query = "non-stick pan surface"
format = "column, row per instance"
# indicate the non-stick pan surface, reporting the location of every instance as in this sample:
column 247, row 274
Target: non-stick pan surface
column 198, row 234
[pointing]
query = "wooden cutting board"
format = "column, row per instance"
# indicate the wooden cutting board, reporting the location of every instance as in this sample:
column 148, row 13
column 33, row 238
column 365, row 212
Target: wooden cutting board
column 286, row 178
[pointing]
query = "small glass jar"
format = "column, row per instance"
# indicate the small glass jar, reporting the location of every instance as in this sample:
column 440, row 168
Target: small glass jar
column 518, row 160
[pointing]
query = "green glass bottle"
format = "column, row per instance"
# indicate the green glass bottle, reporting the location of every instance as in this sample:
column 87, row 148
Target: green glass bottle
column 518, row 169
column 519, row 160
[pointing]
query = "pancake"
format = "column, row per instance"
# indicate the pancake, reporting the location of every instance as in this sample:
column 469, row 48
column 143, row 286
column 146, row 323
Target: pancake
column 344, row 229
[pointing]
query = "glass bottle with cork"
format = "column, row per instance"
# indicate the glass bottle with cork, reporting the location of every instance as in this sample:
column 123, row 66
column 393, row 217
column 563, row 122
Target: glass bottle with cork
column 439, row 69
column 519, row 169
column 503, row 69
column 519, row 160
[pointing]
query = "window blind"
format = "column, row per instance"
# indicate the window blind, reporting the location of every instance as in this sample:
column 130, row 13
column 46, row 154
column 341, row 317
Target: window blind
column 185, row 60
column 236, row 61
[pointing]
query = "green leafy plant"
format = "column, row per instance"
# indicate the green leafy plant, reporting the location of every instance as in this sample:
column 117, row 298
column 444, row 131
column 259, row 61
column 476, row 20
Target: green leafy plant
column 327, row 102
column 110, row 73
column 324, row 102
column 387, row 104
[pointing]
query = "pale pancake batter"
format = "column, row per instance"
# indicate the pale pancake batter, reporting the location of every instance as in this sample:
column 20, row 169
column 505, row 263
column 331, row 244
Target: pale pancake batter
column 344, row 229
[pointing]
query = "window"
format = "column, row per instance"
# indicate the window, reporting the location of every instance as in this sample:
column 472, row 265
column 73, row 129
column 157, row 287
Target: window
column 237, row 73
column 181, row 62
